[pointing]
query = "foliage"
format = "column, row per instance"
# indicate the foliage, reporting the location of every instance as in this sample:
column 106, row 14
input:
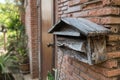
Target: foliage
column 17, row 40
column 22, row 47
column 7, row 65
column 19, row 46
column 50, row 76
column 10, row 17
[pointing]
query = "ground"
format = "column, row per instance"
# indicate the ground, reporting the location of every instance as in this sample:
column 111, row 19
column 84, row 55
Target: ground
column 23, row 77
column 28, row 77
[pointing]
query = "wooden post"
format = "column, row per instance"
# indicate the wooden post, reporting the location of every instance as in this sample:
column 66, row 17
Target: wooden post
column 4, row 34
column 89, row 51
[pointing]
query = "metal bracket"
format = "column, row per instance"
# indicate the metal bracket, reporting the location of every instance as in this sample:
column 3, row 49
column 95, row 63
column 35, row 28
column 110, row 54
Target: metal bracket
column 50, row 45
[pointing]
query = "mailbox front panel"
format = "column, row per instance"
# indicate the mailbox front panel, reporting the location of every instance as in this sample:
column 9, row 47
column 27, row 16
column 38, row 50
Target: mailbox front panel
column 90, row 50
column 98, row 49
column 73, row 46
column 82, row 39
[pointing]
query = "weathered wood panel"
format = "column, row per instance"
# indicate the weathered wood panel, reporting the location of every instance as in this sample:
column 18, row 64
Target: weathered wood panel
column 98, row 48
column 46, row 22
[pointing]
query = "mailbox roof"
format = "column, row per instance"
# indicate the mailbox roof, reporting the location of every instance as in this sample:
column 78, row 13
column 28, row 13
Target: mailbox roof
column 82, row 25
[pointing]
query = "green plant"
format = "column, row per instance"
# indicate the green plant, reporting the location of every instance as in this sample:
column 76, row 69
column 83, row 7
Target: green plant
column 50, row 76
column 17, row 40
column 7, row 66
column 18, row 46
column 22, row 49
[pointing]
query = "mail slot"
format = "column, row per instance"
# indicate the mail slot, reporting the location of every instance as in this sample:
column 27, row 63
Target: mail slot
column 81, row 39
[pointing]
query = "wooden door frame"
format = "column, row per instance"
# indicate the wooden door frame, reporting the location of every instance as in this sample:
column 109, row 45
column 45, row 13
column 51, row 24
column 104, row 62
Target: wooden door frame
column 39, row 36
column 54, row 38
column 55, row 20
column 40, row 25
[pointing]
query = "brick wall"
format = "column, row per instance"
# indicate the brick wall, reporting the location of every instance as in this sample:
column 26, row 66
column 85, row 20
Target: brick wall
column 103, row 12
column 22, row 17
column 31, row 30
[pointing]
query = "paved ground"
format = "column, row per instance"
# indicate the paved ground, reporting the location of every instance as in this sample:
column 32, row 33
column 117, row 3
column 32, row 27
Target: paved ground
column 28, row 77
column 23, row 77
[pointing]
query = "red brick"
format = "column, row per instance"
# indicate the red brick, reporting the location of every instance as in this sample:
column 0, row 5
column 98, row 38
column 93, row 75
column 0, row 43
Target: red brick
column 105, row 20
column 86, row 76
column 92, row 6
column 77, row 77
column 64, row 15
column 109, row 64
column 111, row 48
column 113, row 28
column 78, row 65
column 74, row 8
column 70, row 69
column 74, row 2
column 114, row 37
column 31, row 27
column 112, row 55
column 98, row 12
column 116, row 2
column 106, row 2
column 106, row 72
column 60, row 5
column 104, row 11
column 95, row 19
column 80, row 14
column 64, row 8
column 111, row 2
column 111, row 73
column 60, row 13
column 110, row 20
column 98, row 76
column 109, row 43
column 70, row 61
column 83, row 1
column 66, row 3
column 22, row 17
column 65, row 12
column 92, row 73
column 59, row 9
column 76, row 71
column 59, row 2
column 62, row 1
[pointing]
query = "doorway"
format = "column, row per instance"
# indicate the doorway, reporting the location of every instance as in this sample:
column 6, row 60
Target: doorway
column 45, row 21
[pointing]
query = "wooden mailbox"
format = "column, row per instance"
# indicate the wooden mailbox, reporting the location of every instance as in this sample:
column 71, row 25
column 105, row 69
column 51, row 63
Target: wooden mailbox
column 81, row 39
